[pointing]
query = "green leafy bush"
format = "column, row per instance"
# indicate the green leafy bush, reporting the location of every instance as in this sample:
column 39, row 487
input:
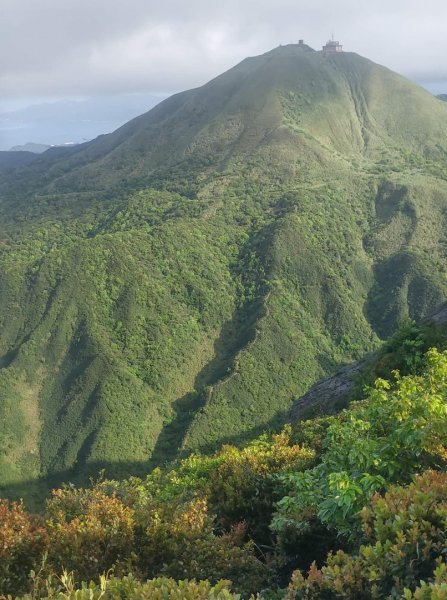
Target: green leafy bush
column 128, row 588
column 404, row 538
column 432, row 590
column 398, row 430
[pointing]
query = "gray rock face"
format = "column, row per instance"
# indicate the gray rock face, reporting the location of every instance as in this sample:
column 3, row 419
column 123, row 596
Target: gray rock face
column 439, row 316
column 327, row 394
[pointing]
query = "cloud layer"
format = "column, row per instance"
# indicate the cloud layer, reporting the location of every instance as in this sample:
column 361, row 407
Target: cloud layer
column 57, row 48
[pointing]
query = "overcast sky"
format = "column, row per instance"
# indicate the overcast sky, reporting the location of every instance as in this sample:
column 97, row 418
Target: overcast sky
column 71, row 48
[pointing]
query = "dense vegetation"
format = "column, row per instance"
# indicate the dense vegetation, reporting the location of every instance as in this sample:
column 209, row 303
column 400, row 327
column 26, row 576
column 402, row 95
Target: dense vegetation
column 11, row 160
column 177, row 284
column 347, row 506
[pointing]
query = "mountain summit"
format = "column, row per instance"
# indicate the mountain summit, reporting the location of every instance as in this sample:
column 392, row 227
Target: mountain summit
column 331, row 102
column 178, row 283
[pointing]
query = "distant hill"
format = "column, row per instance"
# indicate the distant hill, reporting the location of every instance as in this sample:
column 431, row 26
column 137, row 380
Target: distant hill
column 41, row 148
column 30, row 147
column 176, row 284
column 442, row 97
column 71, row 120
column 16, row 158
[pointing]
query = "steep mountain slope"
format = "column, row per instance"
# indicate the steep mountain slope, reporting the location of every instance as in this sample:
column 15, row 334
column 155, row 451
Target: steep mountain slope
column 179, row 282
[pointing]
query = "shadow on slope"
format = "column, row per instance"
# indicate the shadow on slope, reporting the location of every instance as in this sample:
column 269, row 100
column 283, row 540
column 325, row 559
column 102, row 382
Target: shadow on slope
column 402, row 290
column 235, row 335
column 35, row 492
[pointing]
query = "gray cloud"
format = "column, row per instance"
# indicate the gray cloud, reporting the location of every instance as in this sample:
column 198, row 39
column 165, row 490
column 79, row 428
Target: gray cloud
column 57, row 48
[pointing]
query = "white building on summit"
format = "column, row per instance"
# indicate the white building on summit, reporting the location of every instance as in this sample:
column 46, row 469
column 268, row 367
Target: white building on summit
column 332, row 46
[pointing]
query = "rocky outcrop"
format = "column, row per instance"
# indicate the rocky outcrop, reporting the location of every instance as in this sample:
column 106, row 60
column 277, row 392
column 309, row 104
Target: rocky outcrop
column 330, row 394
column 438, row 316
column 326, row 395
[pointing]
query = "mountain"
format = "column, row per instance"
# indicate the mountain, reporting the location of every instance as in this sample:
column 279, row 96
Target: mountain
column 361, row 494
column 442, row 97
column 30, row 147
column 178, row 283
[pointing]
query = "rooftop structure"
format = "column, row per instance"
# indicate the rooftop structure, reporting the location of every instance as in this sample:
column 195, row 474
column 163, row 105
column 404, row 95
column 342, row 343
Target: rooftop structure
column 333, row 46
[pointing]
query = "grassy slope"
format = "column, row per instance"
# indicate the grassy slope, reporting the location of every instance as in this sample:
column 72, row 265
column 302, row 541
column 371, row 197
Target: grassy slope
column 179, row 282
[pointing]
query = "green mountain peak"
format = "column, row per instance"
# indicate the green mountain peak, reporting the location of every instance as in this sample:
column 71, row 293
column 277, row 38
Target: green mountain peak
column 178, row 283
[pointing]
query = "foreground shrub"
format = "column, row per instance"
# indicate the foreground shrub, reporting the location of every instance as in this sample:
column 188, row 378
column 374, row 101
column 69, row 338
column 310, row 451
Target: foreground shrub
column 239, row 484
column 23, row 541
column 434, row 590
column 243, row 486
column 405, row 538
column 128, row 588
column 397, row 431
column 179, row 541
column 89, row 533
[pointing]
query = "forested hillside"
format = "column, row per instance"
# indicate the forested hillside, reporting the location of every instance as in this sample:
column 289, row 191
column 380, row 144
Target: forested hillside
column 346, row 506
column 178, row 283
